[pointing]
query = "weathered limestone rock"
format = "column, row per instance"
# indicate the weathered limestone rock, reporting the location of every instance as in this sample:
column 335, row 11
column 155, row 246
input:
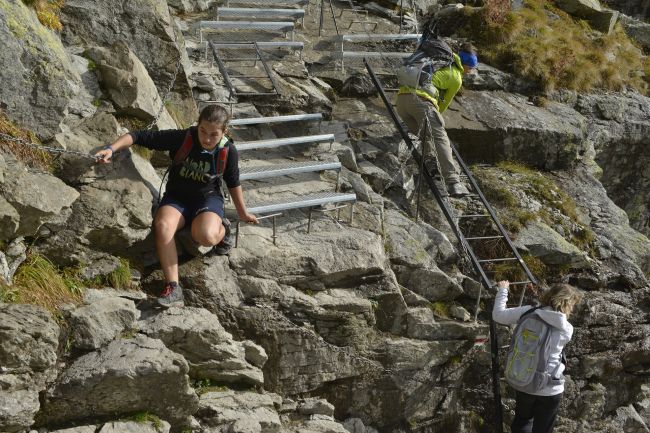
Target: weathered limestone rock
column 209, row 350
column 496, row 126
column 83, row 429
column 39, row 81
column 128, row 375
column 315, row 406
column 125, row 79
column 619, row 129
column 95, row 325
column 591, row 10
column 321, row 259
column 9, row 220
column 135, row 427
column 149, row 31
column 190, row 5
column 240, row 412
column 13, row 256
column 637, row 30
column 36, row 196
column 29, row 339
column 543, row 242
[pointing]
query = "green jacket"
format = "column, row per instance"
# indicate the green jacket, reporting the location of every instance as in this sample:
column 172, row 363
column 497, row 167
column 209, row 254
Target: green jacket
column 446, row 80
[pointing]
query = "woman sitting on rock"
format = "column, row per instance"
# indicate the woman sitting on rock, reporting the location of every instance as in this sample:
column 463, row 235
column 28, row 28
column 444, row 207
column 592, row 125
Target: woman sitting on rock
column 201, row 156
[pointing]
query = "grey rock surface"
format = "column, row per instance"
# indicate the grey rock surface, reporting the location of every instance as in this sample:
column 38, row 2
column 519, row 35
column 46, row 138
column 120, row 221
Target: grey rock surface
column 41, row 82
column 128, row 375
column 97, row 324
column 37, row 197
column 29, row 340
column 209, row 350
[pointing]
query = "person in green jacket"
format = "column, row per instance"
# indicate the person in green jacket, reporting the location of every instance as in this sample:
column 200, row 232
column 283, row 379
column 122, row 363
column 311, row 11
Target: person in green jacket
column 415, row 105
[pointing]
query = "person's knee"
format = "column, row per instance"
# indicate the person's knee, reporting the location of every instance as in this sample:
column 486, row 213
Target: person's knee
column 207, row 236
column 165, row 226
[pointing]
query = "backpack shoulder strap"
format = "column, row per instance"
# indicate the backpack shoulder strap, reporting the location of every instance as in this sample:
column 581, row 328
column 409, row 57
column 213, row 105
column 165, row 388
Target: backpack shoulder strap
column 222, row 157
column 530, row 311
column 183, row 152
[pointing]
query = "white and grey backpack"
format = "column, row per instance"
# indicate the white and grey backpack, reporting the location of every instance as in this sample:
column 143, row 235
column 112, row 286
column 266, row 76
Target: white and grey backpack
column 529, row 354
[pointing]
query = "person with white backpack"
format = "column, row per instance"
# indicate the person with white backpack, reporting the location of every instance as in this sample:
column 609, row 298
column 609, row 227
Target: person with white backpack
column 536, row 362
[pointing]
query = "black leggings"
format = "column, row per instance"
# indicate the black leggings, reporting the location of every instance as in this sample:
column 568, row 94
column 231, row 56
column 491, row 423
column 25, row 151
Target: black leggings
column 535, row 414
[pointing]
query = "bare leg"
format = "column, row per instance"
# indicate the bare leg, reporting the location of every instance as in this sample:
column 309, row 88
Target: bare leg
column 207, row 229
column 167, row 222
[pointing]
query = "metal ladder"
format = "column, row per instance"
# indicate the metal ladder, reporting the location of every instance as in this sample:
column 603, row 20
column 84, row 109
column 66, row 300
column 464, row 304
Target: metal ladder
column 467, row 242
column 231, row 78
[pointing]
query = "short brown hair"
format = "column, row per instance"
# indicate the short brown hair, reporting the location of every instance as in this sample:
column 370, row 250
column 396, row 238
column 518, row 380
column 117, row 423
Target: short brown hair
column 215, row 114
column 561, row 297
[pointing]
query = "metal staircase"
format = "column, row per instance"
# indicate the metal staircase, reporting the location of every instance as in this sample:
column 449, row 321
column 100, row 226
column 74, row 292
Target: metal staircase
column 483, row 266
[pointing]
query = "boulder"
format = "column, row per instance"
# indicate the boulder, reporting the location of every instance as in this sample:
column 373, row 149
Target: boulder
column 37, row 197
column 39, row 81
column 127, row 376
column 496, row 126
column 29, row 340
column 148, row 30
column 600, row 19
column 209, row 350
column 240, row 412
column 97, row 324
column 125, row 79
column 637, row 30
column 549, row 246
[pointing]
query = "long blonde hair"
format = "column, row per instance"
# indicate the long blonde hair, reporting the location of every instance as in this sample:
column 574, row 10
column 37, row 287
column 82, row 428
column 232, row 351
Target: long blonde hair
column 562, row 298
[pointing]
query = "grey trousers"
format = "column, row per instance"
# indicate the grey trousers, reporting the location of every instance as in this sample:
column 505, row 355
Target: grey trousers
column 413, row 110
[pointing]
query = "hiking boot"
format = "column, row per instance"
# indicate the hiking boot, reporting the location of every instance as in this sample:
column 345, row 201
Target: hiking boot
column 457, row 190
column 228, row 241
column 171, row 296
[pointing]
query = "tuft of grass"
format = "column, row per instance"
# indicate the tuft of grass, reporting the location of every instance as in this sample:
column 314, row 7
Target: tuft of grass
column 47, row 12
column 37, row 281
column 439, row 309
column 29, row 155
column 552, row 49
column 146, row 417
column 120, row 278
column 206, row 385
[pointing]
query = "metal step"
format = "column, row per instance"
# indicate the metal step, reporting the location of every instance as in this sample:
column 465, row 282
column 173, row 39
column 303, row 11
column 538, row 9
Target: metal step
column 266, row 171
column 379, row 37
column 260, row 12
column 371, row 54
column 275, row 119
column 279, row 142
column 262, row 45
column 268, row 2
column 277, row 26
column 304, row 201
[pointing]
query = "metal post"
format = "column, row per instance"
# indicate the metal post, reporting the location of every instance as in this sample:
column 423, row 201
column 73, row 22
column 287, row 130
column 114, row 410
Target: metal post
column 351, row 212
column 338, row 181
column 423, row 140
column 401, row 14
column 336, row 27
column 322, row 13
column 274, row 231
column 237, row 234
column 309, row 221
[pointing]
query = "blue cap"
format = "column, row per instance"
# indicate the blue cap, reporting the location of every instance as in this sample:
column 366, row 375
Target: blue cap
column 468, row 59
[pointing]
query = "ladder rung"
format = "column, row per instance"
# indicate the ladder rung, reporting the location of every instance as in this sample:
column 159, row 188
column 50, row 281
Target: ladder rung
column 485, row 237
column 506, row 259
column 249, row 76
column 474, row 216
column 274, row 119
column 277, row 142
column 266, row 171
column 519, row 283
column 298, row 202
column 256, row 93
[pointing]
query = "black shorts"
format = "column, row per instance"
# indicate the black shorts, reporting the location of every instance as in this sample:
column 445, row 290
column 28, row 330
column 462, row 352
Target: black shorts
column 192, row 207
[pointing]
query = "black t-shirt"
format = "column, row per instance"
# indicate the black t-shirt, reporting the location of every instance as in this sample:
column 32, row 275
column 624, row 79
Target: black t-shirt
column 187, row 180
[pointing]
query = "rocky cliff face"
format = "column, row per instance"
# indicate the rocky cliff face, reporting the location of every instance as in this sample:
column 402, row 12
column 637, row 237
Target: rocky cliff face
column 362, row 327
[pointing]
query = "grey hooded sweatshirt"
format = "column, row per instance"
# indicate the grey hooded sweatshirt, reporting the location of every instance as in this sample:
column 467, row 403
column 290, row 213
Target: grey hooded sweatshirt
column 510, row 316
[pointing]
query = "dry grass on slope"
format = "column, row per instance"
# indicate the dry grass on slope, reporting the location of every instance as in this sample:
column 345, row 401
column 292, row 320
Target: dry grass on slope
column 27, row 154
column 549, row 47
column 47, row 12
